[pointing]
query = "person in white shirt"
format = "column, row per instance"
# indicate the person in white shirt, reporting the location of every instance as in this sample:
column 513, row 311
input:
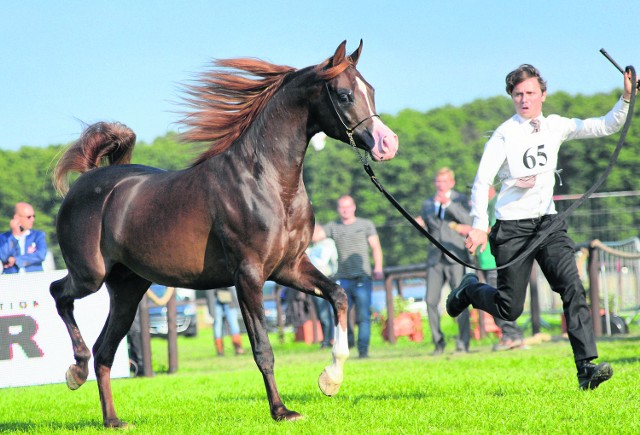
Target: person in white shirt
column 523, row 154
column 324, row 256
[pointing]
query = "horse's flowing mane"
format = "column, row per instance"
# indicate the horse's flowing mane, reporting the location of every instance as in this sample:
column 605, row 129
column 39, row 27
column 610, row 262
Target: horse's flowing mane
column 228, row 98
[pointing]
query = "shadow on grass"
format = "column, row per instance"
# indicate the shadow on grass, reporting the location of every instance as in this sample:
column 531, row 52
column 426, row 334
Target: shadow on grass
column 45, row 426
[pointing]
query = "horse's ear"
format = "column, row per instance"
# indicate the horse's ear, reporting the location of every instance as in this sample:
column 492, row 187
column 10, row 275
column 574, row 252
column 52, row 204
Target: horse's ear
column 356, row 55
column 338, row 56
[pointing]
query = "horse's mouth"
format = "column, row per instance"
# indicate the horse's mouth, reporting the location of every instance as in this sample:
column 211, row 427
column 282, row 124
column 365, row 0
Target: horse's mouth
column 385, row 148
column 385, row 144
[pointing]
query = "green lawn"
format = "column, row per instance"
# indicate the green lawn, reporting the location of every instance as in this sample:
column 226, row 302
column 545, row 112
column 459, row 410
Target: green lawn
column 401, row 389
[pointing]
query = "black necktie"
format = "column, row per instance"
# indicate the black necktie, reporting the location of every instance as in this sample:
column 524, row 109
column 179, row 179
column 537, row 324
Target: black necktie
column 440, row 214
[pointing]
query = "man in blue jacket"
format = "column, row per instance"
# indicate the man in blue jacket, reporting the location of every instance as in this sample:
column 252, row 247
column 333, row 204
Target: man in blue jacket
column 22, row 249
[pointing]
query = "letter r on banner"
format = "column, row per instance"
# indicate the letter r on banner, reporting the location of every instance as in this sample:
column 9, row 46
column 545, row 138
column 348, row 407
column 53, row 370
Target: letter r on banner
column 27, row 328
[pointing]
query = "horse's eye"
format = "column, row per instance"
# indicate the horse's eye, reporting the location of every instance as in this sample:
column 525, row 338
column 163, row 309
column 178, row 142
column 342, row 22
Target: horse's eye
column 345, row 96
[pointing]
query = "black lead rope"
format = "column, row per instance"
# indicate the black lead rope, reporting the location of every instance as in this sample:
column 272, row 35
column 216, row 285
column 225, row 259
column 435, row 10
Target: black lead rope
column 552, row 225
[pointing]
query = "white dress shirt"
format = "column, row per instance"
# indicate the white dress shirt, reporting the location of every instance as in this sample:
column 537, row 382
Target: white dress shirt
column 23, row 249
column 513, row 152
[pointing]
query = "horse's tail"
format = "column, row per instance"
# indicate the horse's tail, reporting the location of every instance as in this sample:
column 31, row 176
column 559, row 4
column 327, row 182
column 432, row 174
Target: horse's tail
column 101, row 144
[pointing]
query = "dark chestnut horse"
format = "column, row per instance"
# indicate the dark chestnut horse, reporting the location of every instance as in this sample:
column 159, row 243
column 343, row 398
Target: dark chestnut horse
column 238, row 216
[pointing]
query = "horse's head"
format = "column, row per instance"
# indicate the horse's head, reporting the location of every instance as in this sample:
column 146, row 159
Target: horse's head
column 348, row 111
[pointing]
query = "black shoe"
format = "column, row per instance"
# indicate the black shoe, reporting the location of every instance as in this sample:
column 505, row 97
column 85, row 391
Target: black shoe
column 363, row 355
column 591, row 375
column 457, row 301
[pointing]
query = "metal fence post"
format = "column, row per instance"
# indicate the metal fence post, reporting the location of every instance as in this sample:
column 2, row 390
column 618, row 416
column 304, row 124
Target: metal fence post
column 146, row 336
column 172, row 333
column 388, row 286
column 594, row 291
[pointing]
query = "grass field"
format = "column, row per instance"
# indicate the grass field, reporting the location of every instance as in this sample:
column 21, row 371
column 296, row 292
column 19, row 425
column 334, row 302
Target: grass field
column 401, row 389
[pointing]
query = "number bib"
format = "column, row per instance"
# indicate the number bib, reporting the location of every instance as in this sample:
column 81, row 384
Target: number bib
column 530, row 154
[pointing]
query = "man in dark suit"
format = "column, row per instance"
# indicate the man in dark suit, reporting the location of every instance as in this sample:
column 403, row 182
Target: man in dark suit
column 22, row 249
column 447, row 218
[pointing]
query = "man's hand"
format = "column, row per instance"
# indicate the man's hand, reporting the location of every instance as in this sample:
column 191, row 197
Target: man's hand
column 11, row 261
column 628, row 86
column 14, row 224
column 476, row 239
column 378, row 274
column 462, row 229
column 442, row 198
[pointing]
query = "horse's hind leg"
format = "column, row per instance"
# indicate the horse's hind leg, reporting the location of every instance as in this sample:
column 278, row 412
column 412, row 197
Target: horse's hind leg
column 306, row 278
column 330, row 379
column 125, row 290
column 64, row 292
column 317, row 284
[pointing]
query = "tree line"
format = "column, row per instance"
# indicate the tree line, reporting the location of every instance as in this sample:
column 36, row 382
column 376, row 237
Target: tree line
column 446, row 136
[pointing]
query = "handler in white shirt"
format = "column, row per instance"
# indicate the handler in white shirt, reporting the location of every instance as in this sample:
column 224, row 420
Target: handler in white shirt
column 523, row 154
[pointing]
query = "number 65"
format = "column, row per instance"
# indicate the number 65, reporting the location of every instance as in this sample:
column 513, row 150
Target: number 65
column 529, row 160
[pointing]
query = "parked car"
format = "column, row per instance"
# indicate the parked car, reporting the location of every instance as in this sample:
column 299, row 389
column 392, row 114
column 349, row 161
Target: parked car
column 186, row 312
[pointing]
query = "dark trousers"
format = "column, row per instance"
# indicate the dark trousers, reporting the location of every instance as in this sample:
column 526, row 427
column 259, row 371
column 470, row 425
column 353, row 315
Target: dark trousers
column 556, row 258
column 436, row 277
column 509, row 328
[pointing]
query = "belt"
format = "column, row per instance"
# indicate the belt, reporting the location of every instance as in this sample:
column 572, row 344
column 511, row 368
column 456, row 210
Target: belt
column 533, row 221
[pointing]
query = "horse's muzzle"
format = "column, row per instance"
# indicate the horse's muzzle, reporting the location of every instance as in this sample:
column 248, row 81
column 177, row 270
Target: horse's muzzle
column 386, row 141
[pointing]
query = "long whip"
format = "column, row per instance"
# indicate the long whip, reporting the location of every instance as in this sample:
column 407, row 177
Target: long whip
column 552, row 224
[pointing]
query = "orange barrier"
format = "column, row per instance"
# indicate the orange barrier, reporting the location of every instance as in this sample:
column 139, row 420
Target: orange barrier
column 482, row 323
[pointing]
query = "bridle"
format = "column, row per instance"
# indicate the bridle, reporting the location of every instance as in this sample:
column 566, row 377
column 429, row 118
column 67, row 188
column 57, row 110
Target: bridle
column 349, row 130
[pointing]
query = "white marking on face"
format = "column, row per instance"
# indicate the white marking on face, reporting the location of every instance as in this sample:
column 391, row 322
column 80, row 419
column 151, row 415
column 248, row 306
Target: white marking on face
column 317, row 291
column 362, row 87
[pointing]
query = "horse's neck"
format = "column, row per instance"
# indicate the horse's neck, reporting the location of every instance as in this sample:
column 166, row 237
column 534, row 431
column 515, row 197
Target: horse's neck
column 278, row 141
column 271, row 152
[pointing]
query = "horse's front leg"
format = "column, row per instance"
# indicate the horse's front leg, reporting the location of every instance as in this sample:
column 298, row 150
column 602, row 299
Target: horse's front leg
column 250, row 299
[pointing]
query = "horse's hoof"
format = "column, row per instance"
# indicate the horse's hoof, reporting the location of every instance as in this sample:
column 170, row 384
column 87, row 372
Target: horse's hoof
column 293, row 416
column 288, row 416
column 327, row 385
column 117, row 424
column 72, row 382
column 281, row 413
